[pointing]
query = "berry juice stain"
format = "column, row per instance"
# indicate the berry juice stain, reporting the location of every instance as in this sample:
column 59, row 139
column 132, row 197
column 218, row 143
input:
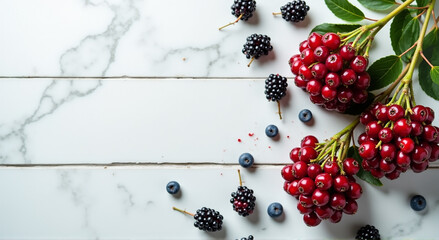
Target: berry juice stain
column 288, row 137
column 239, row 140
column 251, row 134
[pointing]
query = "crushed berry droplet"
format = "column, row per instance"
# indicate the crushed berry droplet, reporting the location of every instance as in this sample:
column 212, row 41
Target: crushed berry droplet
column 251, row 134
column 239, row 140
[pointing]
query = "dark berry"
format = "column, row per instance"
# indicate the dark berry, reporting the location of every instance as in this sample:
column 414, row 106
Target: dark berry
column 368, row 232
column 275, row 209
column 246, row 160
column 244, row 8
column 243, row 201
column 250, row 237
column 275, row 87
column 271, row 131
column 294, row 11
column 256, row 46
column 305, row 115
column 208, row 219
column 418, row 203
column 173, row 187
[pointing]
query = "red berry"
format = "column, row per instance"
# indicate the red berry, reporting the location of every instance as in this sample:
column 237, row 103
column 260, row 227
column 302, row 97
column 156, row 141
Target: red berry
column 300, row 82
column 306, row 186
column 388, row 152
column 341, row 107
column 309, row 140
column 305, row 72
column 337, row 201
column 351, row 166
column 304, row 210
column 286, row 185
column 377, row 173
column 385, row 135
column 299, row 169
column 430, row 133
column 373, row 129
column 311, row 219
column 359, row 64
column 351, row 207
column 419, row 167
column 323, row 181
column 434, row 153
column 303, row 45
column 374, row 163
column 402, row 127
column 324, row 212
column 354, row 191
column 306, row 201
column 314, row 169
column 362, row 138
column 344, row 95
column 430, row 115
column 363, row 81
column 314, row 40
column 295, row 67
column 294, row 154
column 348, row 77
column 293, row 59
column 332, row 80
column 366, row 117
column 381, row 113
column 307, row 56
column 406, row 145
column 386, row 166
column 419, row 154
column 393, row 175
column 330, row 105
column 319, row 71
column 318, row 100
column 417, row 128
column 347, row 52
column 395, row 112
column 331, row 167
column 331, row 41
column 427, row 147
column 293, row 188
column 336, row 217
column 307, row 153
column 320, row 197
column 321, row 53
column 360, row 96
column 403, row 160
column 419, row 114
column 334, row 62
column 367, row 150
column 287, row 173
column 314, row 87
column 341, row 183
column 328, row 94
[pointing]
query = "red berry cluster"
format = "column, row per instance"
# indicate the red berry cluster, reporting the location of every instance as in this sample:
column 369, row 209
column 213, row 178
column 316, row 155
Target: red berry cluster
column 395, row 141
column 331, row 72
column 323, row 192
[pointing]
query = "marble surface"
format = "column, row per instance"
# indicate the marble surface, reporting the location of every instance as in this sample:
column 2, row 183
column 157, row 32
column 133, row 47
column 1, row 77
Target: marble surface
column 102, row 102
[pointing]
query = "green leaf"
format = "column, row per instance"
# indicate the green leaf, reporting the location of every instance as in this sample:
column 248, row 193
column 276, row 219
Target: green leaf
column 345, row 10
column 422, row 3
column 357, row 109
column 425, row 80
column 432, row 39
column 434, row 74
column 362, row 174
column 410, row 34
column 336, row 28
column 379, row 5
column 396, row 27
column 384, row 71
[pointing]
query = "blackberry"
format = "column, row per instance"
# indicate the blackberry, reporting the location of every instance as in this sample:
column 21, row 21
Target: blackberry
column 247, row 238
column 275, row 89
column 368, row 232
column 208, row 219
column 244, row 8
column 256, row 46
column 294, row 11
column 243, row 201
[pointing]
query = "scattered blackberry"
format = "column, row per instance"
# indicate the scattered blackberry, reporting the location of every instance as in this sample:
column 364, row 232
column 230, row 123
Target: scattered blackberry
column 294, row 11
column 275, row 89
column 368, row 232
column 243, row 10
column 250, row 237
column 208, row 219
column 256, row 46
column 243, row 200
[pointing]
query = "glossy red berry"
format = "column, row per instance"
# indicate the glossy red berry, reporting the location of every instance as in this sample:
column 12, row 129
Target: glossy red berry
column 367, row 150
column 373, row 129
column 299, row 169
column 318, row 100
column 354, row 191
column 419, row 167
column 306, row 186
column 430, row 133
column 388, row 152
column 337, row 201
column 314, row 87
column 320, row 197
column 311, row 219
column 351, row 207
column 417, row 128
column 328, row 94
column 304, row 210
column 321, row 53
column 323, row 181
column 331, row 167
column 307, row 56
column 434, row 156
column 344, row 95
column 294, row 154
column 300, row 82
column 314, row 40
column 293, row 59
column 341, row 183
column 347, row 52
column 295, row 66
column 334, row 62
column 314, row 169
column 393, row 175
column 430, row 115
column 306, row 200
column 359, row 64
column 360, row 96
column 307, row 153
column 366, row 117
column 348, row 76
column 331, row 41
column 419, row 114
column 363, row 81
column 377, row 173
column 324, row 212
column 402, row 127
column 402, row 160
column 336, row 217
column 287, row 173
column 381, row 113
column 319, row 71
column 303, row 45
column 305, row 72
column 351, row 166
column 386, row 166
column 293, row 188
column 332, row 80
column 406, row 145
column 419, row 154
column 385, row 135
column 309, row 140
column 395, row 112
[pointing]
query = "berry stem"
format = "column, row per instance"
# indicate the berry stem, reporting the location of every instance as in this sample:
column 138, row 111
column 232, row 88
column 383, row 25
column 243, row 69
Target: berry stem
column 370, row 39
column 426, row 60
column 277, row 13
column 278, row 108
column 408, row 50
column 251, row 60
column 231, row 23
column 239, row 175
column 183, row 211
column 389, row 16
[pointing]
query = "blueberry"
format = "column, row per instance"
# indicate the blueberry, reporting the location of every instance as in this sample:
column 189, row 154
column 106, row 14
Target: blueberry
column 173, row 187
column 246, row 160
column 305, row 115
column 418, row 203
column 275, row 209
column 271, row 131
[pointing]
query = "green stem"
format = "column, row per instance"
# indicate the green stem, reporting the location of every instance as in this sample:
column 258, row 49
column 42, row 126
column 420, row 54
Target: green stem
column 370, row 40
column 392, row 14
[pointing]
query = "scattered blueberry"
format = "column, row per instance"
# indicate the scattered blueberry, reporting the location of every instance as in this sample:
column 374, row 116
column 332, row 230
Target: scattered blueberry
column 271, row 131
column 275, row 209
column 246, row 160
column 418, row 203
column 173, row 187
column 305, row 115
